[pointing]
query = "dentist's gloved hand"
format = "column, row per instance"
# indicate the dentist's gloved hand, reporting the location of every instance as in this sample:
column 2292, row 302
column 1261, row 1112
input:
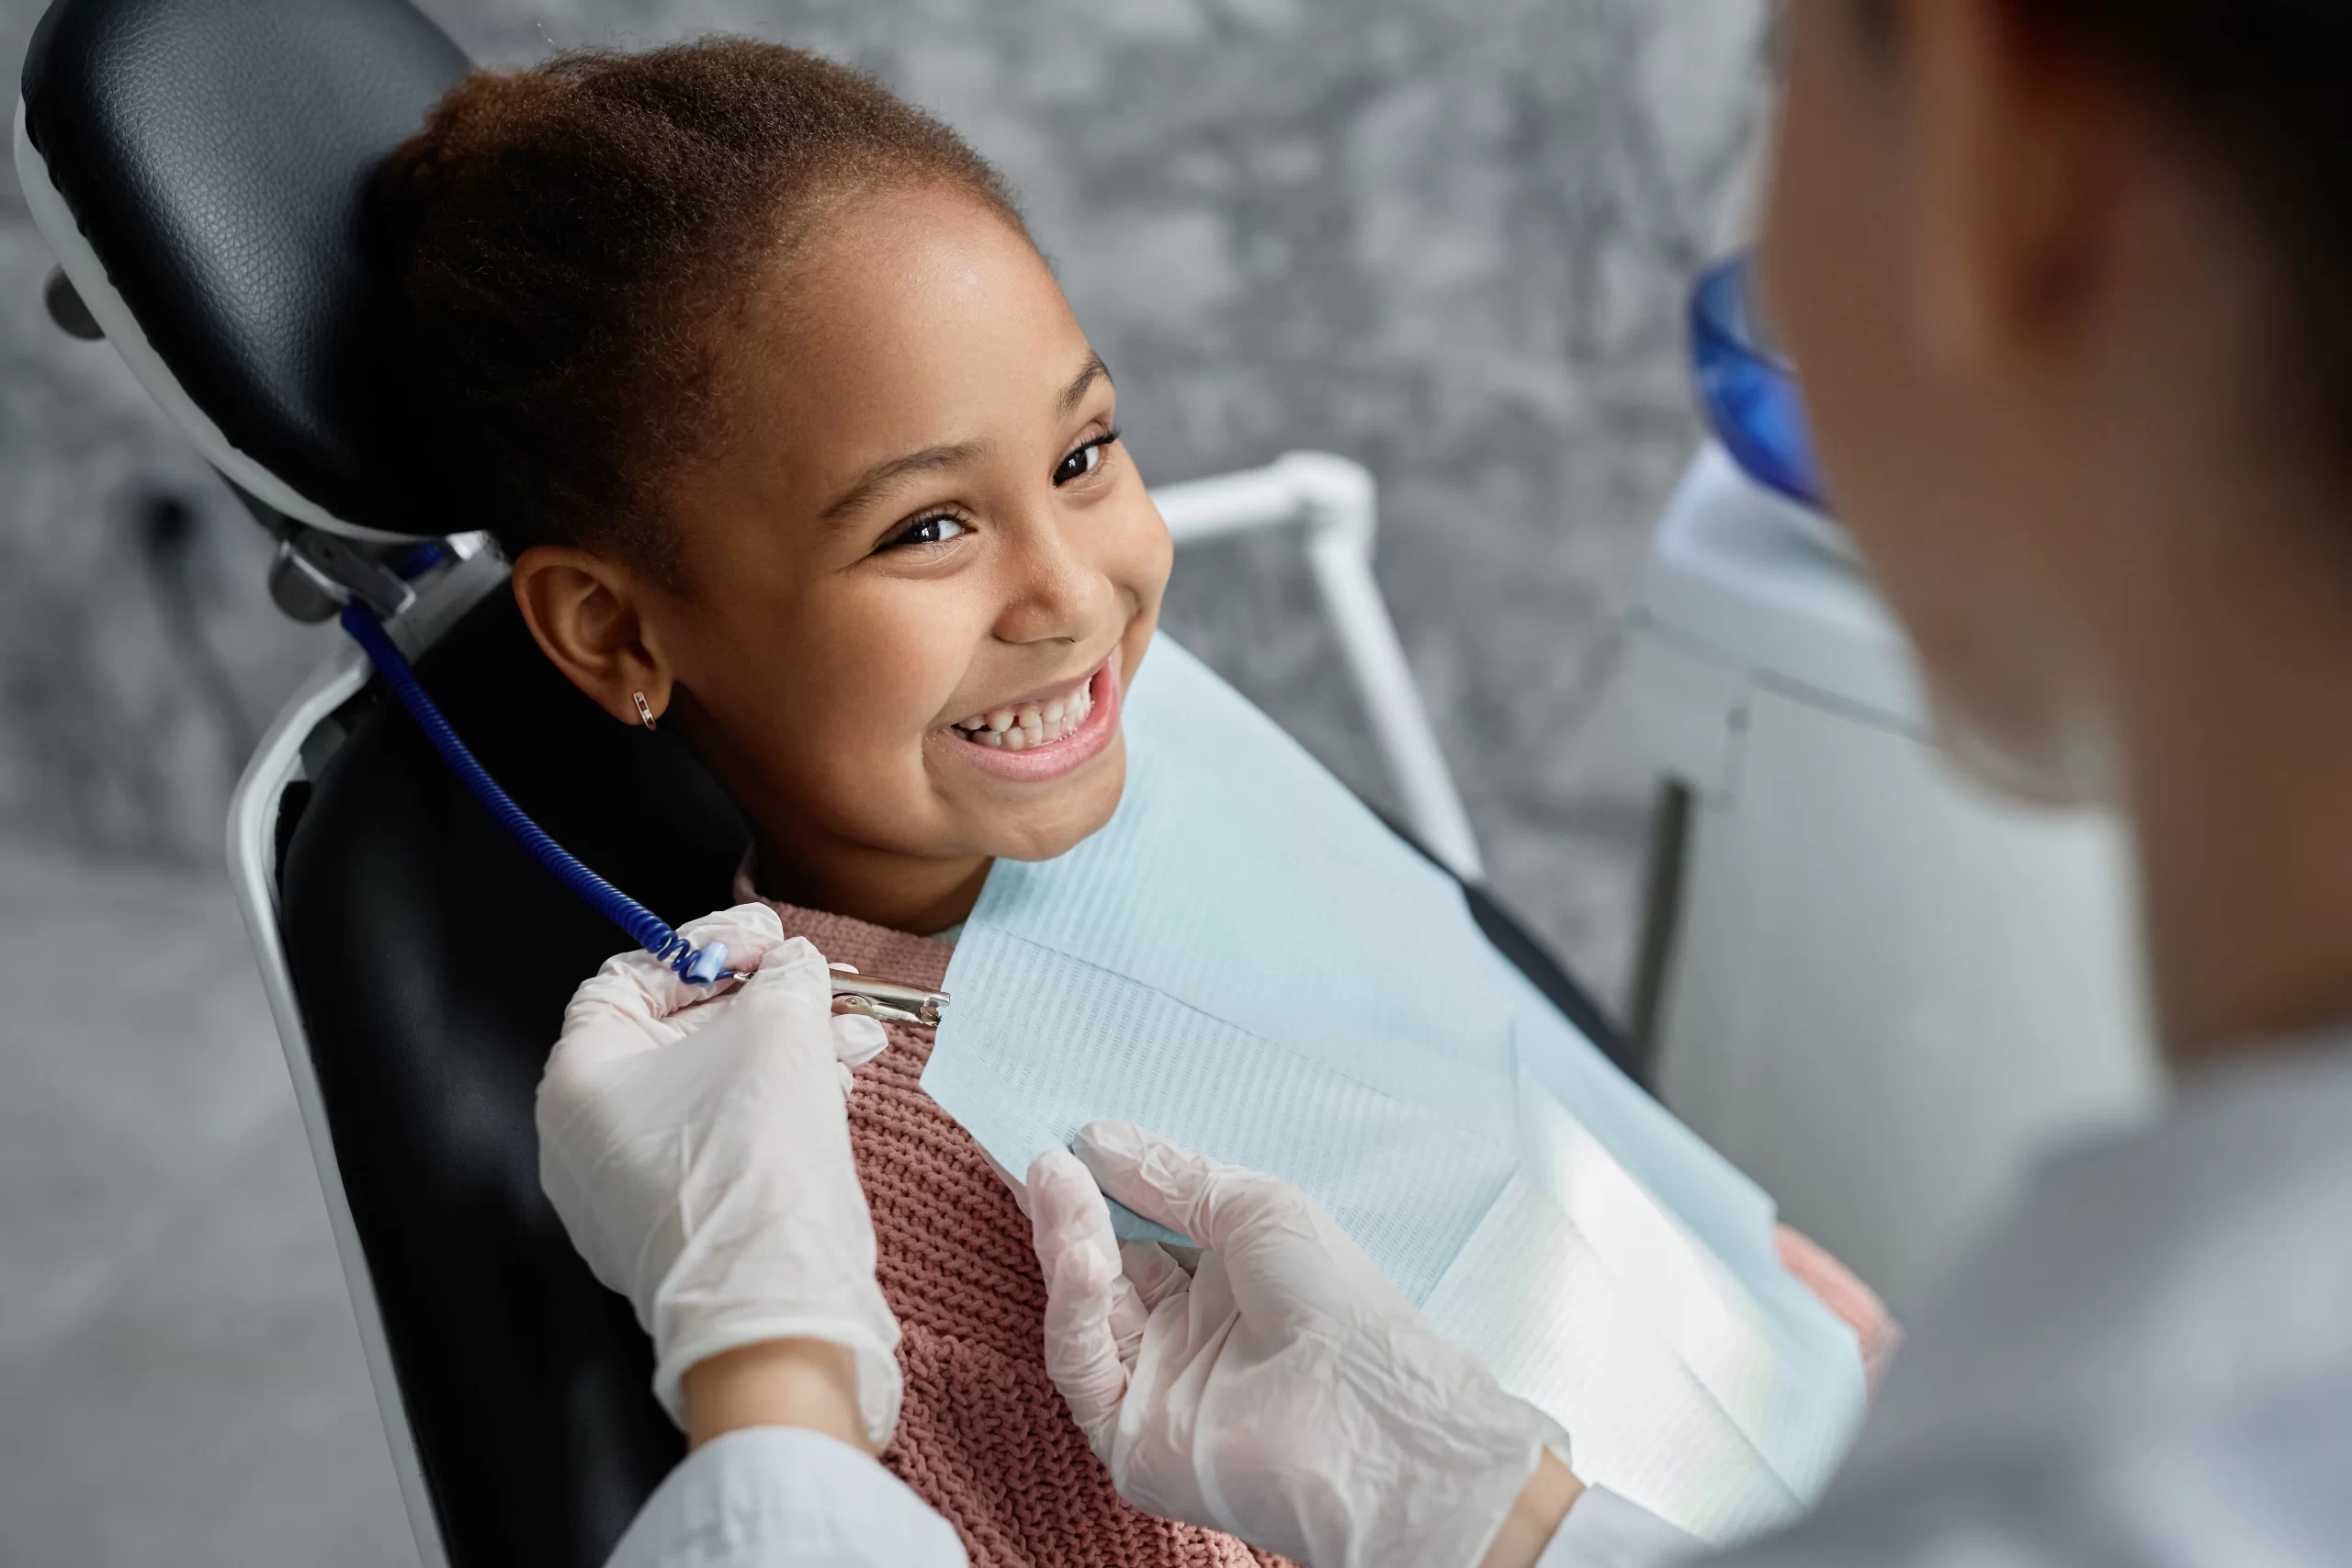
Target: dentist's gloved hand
column 697, row 1146
column 1282, row 1389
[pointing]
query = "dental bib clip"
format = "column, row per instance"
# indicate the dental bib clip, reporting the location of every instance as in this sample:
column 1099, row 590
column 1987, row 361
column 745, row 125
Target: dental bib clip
column 884, row 1001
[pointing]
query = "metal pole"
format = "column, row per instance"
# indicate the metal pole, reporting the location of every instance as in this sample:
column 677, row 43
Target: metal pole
column 1337, row 501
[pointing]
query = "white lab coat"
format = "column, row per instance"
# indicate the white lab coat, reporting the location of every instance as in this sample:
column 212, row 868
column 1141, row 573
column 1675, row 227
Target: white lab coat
column 2149, row 1364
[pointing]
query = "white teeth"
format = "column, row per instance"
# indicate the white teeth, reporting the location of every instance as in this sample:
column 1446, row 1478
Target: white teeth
column 1040, row 724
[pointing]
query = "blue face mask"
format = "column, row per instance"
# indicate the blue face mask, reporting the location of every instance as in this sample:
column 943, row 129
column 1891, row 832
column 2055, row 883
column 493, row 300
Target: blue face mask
column 1748, row 389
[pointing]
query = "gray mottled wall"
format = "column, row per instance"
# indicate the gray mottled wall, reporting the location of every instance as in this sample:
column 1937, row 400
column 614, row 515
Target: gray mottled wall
column 1447, row 237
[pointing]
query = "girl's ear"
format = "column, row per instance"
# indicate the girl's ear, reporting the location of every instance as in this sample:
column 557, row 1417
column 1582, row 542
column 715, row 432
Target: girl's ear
column 584, row 612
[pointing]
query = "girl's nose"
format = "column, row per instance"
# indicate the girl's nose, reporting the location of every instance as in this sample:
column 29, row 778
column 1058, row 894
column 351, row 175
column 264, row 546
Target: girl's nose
column 1054, row 594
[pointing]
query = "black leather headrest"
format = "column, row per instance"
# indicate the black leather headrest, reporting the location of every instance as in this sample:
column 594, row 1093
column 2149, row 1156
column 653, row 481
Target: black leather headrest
column 433, row 960
column 215, row 154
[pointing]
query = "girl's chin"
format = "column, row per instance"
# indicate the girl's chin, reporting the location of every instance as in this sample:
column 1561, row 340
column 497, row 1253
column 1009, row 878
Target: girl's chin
column 1034, row 823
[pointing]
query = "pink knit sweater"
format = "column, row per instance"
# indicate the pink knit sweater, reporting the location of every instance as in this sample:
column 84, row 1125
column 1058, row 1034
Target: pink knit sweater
column 983, row 1436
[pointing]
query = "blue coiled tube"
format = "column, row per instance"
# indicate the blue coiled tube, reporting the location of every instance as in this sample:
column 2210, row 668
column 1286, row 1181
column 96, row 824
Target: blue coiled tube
column 702, row 966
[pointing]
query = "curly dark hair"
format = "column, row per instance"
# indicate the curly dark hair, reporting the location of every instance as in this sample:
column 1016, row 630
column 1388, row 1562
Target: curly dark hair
column 567, row 242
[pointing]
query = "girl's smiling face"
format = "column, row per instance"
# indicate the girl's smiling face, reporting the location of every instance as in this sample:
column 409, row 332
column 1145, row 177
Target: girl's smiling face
column 916, row 569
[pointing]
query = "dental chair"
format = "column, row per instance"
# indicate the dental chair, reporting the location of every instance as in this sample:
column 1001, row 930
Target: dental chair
column 197, row 167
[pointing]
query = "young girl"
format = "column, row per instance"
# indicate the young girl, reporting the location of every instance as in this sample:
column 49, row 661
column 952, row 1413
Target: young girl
column 795, row 446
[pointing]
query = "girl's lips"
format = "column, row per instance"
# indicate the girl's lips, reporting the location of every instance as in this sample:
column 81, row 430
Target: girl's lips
column 1054, row 758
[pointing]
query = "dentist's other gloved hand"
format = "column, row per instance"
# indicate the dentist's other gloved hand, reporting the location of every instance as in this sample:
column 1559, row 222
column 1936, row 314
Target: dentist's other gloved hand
column 1282, row 1389
column 697, row 1146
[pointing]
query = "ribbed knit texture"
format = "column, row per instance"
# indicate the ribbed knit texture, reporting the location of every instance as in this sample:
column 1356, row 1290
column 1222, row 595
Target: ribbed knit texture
column 983, row 1436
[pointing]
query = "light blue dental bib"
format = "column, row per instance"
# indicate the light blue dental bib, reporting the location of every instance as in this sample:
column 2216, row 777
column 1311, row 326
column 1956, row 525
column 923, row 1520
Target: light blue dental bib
column 1247, row 960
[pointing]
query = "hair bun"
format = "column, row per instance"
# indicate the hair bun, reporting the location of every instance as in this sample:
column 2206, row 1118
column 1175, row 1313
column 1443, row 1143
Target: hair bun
column 420, row 173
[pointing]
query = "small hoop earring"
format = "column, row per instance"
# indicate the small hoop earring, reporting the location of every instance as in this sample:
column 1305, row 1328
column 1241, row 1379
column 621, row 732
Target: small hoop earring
column 644, row 709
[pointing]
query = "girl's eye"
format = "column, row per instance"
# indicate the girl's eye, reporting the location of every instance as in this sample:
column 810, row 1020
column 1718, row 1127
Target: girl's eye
column 935, row 529
column 1086, row 460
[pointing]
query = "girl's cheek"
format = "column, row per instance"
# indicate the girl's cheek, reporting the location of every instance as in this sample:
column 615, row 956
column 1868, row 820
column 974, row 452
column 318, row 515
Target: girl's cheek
column 1146, row 556
column 923, row 650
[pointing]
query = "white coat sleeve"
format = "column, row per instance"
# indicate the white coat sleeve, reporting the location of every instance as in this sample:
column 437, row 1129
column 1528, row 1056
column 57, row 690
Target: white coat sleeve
column 784, row 1498
column 1604, row 1531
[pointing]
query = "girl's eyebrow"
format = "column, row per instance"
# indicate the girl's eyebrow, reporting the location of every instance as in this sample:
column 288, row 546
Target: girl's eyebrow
column 932, row 458
column 1094, row 370
column 892, row 469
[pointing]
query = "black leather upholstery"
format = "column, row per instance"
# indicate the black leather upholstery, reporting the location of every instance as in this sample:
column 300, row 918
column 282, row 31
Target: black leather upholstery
column 432, row 961
column 215, row 153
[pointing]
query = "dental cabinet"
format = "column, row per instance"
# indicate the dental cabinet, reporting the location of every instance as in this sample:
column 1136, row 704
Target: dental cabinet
column 1875, row 987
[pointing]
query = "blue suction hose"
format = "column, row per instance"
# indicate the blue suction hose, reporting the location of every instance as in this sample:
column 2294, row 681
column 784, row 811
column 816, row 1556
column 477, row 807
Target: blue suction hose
column 702, row 966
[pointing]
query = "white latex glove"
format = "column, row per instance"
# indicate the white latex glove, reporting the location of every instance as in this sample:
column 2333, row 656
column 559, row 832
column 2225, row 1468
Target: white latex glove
column 697, row 1146
column 1283, row 1391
